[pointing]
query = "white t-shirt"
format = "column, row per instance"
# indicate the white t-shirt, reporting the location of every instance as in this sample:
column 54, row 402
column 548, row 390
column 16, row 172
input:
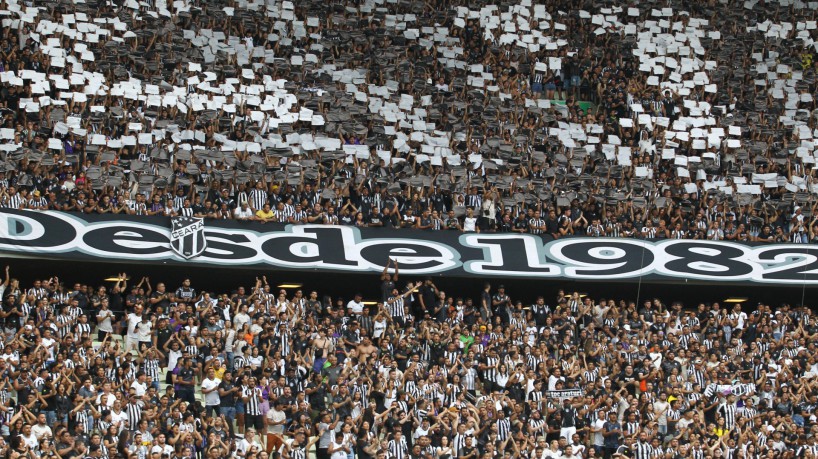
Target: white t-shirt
column 741, row 319
column 173, row 358
column 275, row 416
column 229, row 340
column 243, row 213
column 133, row 319
column 105, row 323
column 244, row 446
column 339, row 453
column 660, row 407
column 552, row 382
column 140, row 388
column 211, row 398
column 470, row 224
column 167, row 449
column 240, row 319
column 106, row 400
column 10, row 358
column 31, row 440
column 120, row 417
column 255, row 361
column 380, row 327
column 143, row 331
column 683, row 424
column 48, row 343
column 356, row 307
column 39, row 431
column 599, row 439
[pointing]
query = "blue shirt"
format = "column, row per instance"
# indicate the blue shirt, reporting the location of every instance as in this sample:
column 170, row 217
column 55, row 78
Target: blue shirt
column 611, row 441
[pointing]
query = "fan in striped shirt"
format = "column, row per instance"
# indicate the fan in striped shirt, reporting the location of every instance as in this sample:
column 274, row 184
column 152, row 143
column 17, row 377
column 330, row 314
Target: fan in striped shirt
column 642, row 449
column 536, row 424
column 64, row 323
column 239, row 362
column 133, row 411
column 453, row 391
column 298, row 448
column 395, row 303
column 503, row 426
column 258, row 196
column 459, row 441
column 748, row 410
column 11, row 199
column 283, row 213
column 150, row 363
column 397, row 448
column 727, row 409
column 82, row 328
column 591, row 374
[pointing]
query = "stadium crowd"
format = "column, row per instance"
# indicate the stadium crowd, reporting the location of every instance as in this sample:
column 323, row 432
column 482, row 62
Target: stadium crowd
column 421, row 114
column 142, row 370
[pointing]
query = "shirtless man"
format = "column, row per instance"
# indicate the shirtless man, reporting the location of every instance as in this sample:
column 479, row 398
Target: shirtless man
column 366, row 349
column 321, row 345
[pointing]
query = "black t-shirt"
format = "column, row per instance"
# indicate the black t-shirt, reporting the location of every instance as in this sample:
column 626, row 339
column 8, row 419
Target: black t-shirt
column 391, row 221
column 553, row 426
column 485, row 298
column 624, row 379
column 22, row 394
column 428, row 295
column 351, row 336
column 317, row 398
column 163, row 336
column 452, row 223
column 82, row 300
column 438, row 202
column 164, row 303
column 116, row 303
column 386, row 289
column 131, row 299
column 186, row 374
column 227, row 401
column 220, row 433
column 569, row 416
column 51, row 402
column 185, row 293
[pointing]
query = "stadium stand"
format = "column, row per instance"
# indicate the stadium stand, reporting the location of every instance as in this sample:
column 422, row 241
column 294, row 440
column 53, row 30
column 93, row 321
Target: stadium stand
column 652, row 119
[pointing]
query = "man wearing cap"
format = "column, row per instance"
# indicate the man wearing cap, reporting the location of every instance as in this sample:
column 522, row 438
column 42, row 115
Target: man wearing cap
column 37, row 202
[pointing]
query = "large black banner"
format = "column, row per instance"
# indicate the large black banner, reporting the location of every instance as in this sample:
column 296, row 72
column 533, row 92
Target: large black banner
column 58, row 235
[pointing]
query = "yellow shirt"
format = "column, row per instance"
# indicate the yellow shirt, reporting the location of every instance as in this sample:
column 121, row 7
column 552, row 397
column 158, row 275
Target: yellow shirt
column 265, row 215
column 720, row 432
column 219, row 372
